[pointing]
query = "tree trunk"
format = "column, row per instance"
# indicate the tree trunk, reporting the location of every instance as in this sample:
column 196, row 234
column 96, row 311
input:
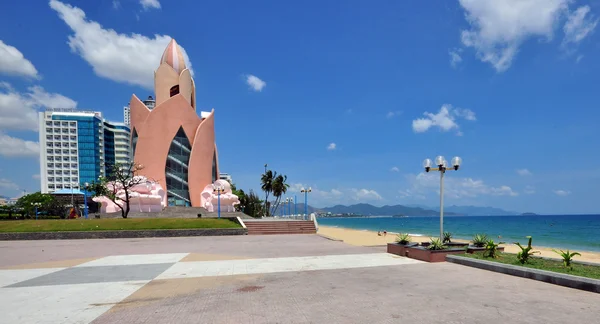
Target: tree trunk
column 126, row 211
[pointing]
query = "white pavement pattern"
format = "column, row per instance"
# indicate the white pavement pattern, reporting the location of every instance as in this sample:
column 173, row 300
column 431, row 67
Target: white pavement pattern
column 81, row 293
column 272, row 265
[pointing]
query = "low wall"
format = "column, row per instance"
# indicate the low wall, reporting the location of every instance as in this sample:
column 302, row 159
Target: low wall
column 560, row 279
column 121, row 234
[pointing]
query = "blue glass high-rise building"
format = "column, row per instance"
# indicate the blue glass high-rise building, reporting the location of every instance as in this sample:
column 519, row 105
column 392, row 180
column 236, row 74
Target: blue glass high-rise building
column 78, row 146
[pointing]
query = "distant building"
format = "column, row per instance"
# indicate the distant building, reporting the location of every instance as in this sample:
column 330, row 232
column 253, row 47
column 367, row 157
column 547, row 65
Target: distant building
column 127, row 116
column 78, row 146
column 150, row 102
column 226, row 176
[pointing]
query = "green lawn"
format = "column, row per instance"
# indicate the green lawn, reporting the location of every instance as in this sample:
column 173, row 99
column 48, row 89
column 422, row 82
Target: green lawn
column 543, row 264
column 113, row 224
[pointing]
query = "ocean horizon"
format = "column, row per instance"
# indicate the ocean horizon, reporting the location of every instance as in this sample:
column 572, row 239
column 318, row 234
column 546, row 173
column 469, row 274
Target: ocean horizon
column 574, row 232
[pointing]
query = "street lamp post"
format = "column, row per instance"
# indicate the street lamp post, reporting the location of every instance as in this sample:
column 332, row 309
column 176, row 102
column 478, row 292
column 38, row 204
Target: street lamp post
column 85, row 205
column 218, row 189
column 36, row 205
column 441, row 164
column 305, row 192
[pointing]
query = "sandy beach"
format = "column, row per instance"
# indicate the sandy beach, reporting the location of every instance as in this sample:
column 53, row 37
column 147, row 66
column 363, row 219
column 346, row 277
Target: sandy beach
column 370, row 238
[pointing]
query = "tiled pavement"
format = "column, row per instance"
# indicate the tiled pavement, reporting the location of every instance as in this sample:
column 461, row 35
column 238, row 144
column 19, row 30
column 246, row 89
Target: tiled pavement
column 80, row 293
column 269, row 279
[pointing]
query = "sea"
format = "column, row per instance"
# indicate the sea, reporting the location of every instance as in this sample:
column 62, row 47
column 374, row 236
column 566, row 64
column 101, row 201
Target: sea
column 574, row 232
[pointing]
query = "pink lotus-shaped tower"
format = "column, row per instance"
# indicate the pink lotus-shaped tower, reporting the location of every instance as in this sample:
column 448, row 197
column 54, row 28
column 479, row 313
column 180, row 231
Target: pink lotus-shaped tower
column 175, row 145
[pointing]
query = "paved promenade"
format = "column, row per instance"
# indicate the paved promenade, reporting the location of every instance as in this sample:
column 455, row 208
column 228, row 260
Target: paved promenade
column 263, row 279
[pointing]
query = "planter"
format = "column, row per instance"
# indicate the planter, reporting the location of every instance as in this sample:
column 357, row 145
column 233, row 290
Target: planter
column 399, row 249
column 472, row 249
column 424, row 254
column 452, row 245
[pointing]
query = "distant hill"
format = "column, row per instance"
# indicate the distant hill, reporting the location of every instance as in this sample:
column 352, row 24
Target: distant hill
column 370, row 210
column 472, row 210
column 408, row 210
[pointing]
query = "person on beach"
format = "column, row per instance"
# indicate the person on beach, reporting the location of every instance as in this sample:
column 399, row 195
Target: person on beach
column 378, row 233
column 384, row 233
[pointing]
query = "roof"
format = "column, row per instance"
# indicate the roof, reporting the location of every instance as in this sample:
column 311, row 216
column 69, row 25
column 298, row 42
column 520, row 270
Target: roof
column 67, row 192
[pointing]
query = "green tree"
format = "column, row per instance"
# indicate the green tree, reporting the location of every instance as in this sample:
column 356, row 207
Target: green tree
column 46, row 203
column 267, row 180
column 280, row 187
column 117, row 185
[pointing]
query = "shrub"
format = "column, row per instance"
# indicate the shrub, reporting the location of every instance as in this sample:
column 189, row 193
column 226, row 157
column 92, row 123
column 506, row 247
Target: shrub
column 491, row 249
column 567, row 257
column 436, row 244
column 403, row 238
column 480, row 240
column 526, row 252
column 447, row 237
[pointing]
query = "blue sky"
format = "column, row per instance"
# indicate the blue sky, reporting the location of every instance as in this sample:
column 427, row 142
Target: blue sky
column 347, row 97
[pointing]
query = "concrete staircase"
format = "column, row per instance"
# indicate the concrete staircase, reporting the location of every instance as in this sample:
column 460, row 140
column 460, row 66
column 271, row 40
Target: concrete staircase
column 264, row 227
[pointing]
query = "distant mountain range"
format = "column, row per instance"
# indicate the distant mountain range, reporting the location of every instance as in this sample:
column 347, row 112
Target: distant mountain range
column 408, row 210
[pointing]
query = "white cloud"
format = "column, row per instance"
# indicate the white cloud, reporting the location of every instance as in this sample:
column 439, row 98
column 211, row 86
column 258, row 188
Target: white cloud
column 394, row 169
column 454, row 187
column 255, row 83
column 7, row 184
column 12, row 62
column 562, row 192
column 578, row 26
column 393, row 114
column 35, row 176
column 15, row 147
column 530, row 190
column 498, row 28
column 455, row 57
column 18, row 111
column 150, row 4
column 331, row 146
column 123, row 58
column 366, row 195
column 445, row 119
column 116, row 4
column 523, row 172
column 337, row 196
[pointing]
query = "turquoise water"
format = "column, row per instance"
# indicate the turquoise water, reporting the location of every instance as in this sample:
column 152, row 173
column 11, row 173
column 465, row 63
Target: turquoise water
column 581, row 232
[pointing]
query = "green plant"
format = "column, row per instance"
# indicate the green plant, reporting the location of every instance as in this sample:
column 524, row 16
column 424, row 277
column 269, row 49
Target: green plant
column 567, row 257
column 403, row 238
column 480, row 240
column 447, row 237
column 526, row 252
column 491, row 249
column 436, row 244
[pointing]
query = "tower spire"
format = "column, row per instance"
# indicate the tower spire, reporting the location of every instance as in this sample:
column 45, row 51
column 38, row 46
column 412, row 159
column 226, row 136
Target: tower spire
column 174, row 56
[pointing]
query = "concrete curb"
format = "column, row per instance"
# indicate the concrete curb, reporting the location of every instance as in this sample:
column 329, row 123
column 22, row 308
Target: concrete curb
column 330, row 238
column 121, row 234
column 561, row 279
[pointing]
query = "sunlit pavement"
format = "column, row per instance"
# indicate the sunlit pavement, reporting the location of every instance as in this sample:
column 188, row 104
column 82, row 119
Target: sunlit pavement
column 262, row 279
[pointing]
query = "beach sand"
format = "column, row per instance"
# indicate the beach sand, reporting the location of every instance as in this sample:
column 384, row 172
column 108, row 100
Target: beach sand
column 370, row 238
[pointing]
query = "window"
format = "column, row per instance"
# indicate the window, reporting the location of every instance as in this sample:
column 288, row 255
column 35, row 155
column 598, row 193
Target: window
column 176, row 170
column 48, row 130
column 48, row 123
column 50, row 179
column 50, row 165
column 174, row 90
column 59, row 186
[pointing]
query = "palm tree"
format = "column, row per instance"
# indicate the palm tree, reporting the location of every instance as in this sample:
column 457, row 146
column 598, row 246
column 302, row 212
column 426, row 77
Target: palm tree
column 267, row 186
column 279, row 188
